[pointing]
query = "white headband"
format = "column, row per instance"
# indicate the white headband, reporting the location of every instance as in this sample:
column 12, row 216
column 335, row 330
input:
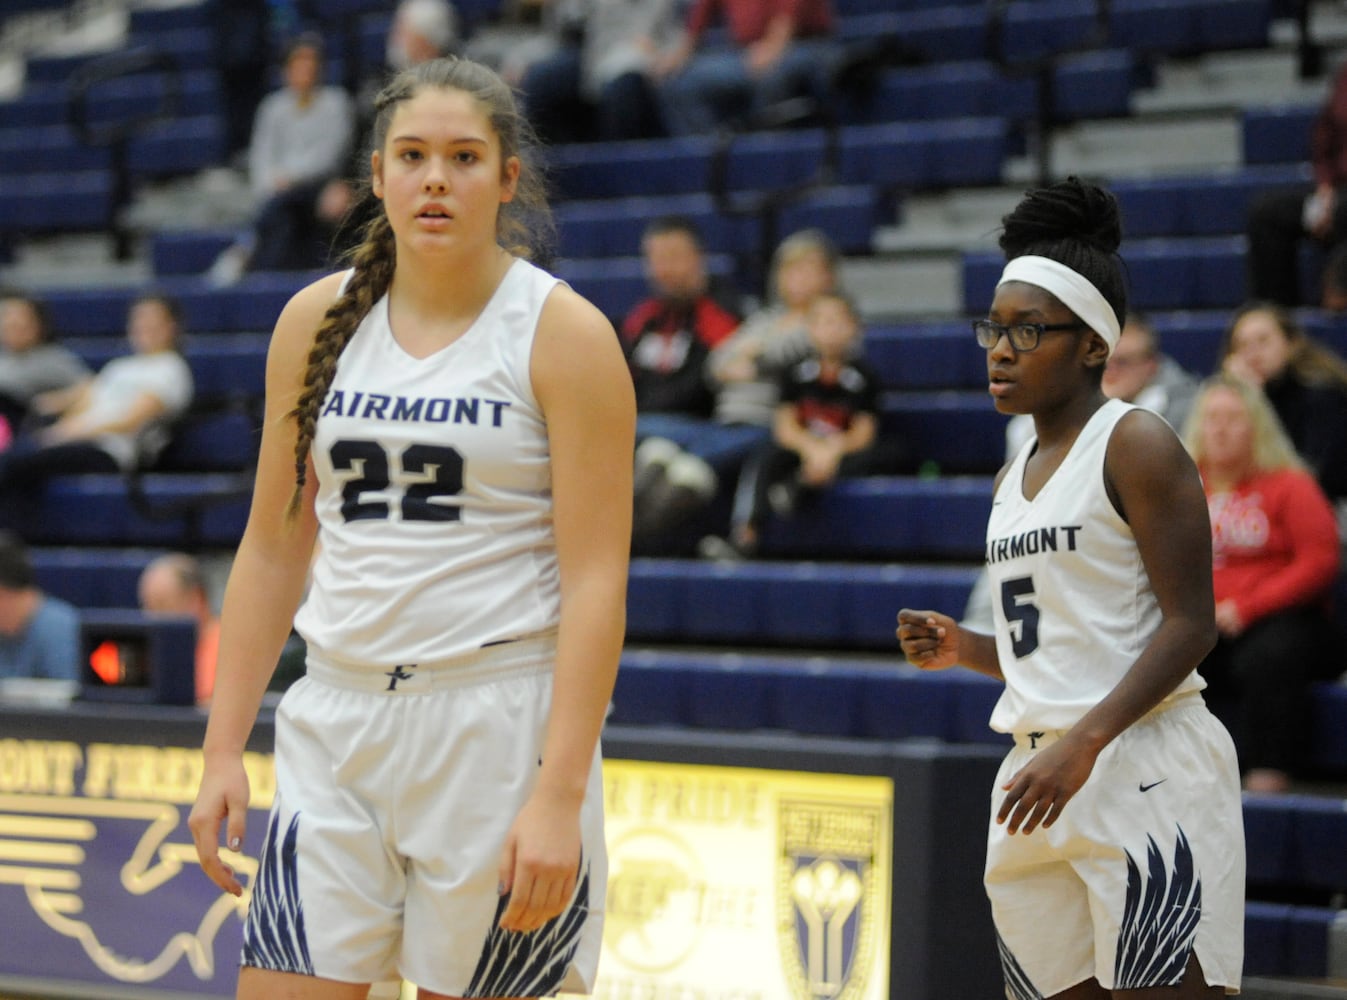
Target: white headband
column 1075, row 291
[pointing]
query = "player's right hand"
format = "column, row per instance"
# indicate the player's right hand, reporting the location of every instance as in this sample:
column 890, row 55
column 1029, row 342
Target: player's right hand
column 928, row 639
column 222, row 800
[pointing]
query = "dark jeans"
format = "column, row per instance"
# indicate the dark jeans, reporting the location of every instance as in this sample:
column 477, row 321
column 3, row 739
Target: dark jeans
column 773, row 464
column 26, row 467
column 289, row 235
column 1276, row 236
column 1258, row 685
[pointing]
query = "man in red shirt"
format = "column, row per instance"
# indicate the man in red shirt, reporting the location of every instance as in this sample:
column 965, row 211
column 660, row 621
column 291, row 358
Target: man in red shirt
column 777, row 49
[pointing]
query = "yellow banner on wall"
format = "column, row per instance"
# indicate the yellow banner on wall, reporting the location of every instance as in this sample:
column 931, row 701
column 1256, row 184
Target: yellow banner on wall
column 733, row 883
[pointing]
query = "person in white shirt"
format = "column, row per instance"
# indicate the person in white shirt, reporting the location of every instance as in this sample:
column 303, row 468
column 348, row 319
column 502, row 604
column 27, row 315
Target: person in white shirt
column 116, row 421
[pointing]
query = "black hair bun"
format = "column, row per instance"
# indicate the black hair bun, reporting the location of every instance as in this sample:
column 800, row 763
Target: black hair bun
column 1070, row 210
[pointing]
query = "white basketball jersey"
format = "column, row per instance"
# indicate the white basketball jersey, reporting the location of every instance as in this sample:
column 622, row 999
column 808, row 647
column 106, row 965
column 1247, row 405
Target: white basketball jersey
column 1073, row 604
column 434, row 492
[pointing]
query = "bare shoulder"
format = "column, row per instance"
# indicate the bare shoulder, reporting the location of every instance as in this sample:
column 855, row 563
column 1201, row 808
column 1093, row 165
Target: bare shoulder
column 1142, row 437
column 303, row 313
column 575, row 344
column 570, row 320
column 1146, row 461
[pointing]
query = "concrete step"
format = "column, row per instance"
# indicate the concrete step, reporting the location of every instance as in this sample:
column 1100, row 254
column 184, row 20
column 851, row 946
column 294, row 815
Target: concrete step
column 905, row 286
column 1229, row 82
column 953, row 222
column 1138, row 147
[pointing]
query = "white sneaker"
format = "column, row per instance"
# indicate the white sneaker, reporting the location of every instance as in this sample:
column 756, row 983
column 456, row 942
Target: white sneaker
column 228, row 267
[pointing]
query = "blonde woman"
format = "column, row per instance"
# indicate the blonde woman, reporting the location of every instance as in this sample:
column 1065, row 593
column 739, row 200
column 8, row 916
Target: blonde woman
column 1274, row 560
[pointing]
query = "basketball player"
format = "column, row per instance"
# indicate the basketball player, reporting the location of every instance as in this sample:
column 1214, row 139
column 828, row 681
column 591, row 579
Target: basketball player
column 1115, row 857
column 456, row 427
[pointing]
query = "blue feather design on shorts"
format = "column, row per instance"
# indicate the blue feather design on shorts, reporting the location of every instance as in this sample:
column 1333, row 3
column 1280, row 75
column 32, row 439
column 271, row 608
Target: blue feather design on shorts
column 273, row 936
column 532, row 964
column 1160, row 919
column 1018, row 984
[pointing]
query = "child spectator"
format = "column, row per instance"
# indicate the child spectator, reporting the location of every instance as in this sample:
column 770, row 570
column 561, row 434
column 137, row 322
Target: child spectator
column 1275, row 557
column 744, row 374
column 825, row 426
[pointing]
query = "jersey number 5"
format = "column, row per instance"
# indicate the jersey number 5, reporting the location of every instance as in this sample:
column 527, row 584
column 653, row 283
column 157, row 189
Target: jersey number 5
column 1017, row 602
column 439, row 473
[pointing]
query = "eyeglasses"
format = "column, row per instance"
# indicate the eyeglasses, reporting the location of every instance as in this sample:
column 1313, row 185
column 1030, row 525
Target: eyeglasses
column 1023, row 337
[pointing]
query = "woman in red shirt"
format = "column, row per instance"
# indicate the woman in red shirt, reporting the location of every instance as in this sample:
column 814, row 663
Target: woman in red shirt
column 1275, row 552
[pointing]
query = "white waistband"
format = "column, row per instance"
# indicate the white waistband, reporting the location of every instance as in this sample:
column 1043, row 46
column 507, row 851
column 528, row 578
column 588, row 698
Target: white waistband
column 1040, row 738
column 515, row 657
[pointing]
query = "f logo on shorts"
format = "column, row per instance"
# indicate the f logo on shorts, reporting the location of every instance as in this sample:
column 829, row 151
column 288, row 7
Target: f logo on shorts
column 398, row 674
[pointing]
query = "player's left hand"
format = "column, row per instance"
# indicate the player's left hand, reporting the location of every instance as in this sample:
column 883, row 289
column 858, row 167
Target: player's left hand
column 1039, row 791
column 541, row 860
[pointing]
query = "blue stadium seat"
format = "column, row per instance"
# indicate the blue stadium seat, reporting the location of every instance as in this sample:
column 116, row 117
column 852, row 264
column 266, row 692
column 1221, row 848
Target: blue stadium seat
column 896, row 517
column 627, row 169
column 1095, row 84
column 91, row 578
column 1328, row 750
column 42, row 104
column 939, row 354
column 189, row 252
column 1034, row 29
column 1277, row 135
column 943, row 90
column 1188, row 26
column 817, row 696
column 925, row 154
column 97, row 510
column 1283, row 940
column 936, row 32
column 961, row 431
column 830, row 605
column 1268, row 840
column 76, row 201
column 1177, row 273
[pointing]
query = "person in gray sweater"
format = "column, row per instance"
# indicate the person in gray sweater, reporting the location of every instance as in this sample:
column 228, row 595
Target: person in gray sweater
column 31, row 362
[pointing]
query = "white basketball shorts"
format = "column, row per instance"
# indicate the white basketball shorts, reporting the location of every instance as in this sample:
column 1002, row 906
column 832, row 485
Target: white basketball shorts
column 1143, row 868
column 395, row 791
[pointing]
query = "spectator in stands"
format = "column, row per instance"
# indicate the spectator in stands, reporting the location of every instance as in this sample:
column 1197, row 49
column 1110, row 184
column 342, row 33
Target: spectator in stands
column 31, row 362
column 744, row 374
column 667, row 339
column 115, row 421
column 601, row 83
column 1137, row 372
column 301, row 137
column 1275, row 559
column 1120, row 787
column 1280, row 221
column 826, row 425
column 174, row 584
column 39, row 634
column 777, row 49
column 1305, row 381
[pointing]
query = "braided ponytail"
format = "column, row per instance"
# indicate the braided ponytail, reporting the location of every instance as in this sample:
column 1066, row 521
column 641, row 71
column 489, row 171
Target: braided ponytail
column 374, row 261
